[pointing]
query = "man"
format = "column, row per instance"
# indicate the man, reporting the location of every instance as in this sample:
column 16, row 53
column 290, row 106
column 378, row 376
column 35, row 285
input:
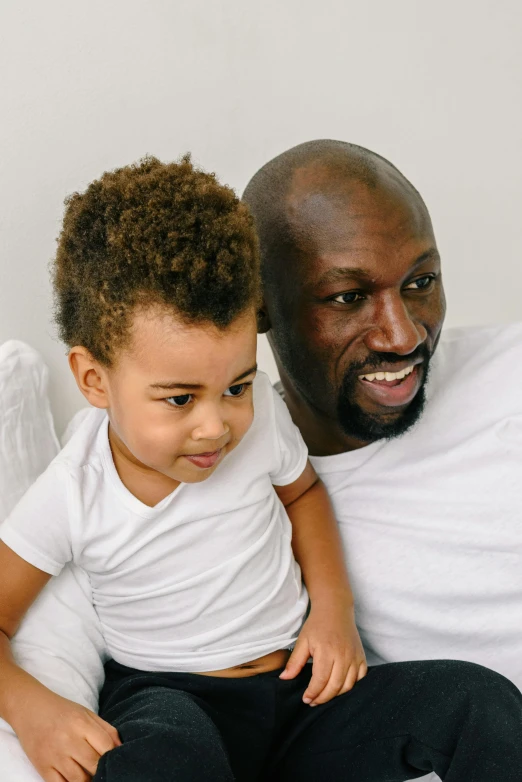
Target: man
column 425, row 475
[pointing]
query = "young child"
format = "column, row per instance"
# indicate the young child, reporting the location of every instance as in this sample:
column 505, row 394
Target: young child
column 185, row 495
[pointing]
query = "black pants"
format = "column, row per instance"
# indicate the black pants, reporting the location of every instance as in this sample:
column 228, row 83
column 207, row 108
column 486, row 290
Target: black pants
column 400, row 722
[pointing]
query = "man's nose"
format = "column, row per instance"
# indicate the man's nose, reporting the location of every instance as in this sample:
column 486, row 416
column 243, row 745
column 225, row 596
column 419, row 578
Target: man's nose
column 211, row 425
column 394, row 330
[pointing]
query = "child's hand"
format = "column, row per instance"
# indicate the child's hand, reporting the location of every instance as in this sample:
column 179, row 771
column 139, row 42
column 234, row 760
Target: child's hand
column 63, row 740
column 330, row 637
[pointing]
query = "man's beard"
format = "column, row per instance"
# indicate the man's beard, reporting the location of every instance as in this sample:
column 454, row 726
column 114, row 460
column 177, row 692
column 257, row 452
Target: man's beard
column 368, row 427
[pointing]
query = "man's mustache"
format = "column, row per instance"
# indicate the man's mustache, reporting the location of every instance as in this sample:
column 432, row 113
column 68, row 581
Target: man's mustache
column 374, row 359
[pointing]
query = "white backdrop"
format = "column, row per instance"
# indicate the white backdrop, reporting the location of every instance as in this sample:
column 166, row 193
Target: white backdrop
column 91, row 85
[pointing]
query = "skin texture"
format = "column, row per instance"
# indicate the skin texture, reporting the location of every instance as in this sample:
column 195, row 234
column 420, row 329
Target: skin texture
column 352, row 285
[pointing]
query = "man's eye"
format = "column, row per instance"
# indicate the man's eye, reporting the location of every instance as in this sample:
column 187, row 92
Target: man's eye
column 348, row 298
column 179, row 401
column 235, row 390
column 421, row 284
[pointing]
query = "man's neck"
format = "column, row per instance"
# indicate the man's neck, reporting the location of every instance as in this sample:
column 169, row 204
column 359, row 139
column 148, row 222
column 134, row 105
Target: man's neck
column 322, row 434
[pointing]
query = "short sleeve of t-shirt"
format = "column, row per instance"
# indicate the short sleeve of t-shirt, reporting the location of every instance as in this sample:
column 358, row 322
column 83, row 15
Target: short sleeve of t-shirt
column 38, row 529
column 293, row 453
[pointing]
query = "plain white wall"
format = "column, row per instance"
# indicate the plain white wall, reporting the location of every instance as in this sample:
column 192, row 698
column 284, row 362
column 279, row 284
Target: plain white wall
column 433, row 86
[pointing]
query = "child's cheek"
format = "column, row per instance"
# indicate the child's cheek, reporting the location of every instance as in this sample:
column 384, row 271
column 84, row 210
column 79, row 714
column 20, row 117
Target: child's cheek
column 159, row 446
column 245, row 422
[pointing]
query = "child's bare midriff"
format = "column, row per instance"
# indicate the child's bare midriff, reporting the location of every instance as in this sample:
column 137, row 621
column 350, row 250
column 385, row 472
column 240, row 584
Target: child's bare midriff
column 269, row 662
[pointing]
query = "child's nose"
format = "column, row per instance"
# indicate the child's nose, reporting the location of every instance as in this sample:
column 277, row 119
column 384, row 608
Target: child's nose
column 211, row 426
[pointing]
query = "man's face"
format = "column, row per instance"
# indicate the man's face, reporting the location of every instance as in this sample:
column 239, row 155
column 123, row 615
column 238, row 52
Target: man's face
column 365, row 311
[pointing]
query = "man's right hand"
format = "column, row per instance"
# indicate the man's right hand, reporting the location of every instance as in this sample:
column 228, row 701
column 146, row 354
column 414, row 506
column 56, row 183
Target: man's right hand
column 62, row 739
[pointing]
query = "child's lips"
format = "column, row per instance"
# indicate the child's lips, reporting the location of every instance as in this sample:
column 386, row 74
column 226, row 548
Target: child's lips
column 204, row 460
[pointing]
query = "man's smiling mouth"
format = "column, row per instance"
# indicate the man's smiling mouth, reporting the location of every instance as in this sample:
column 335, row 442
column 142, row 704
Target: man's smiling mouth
column 388, row 376
column 392, row 388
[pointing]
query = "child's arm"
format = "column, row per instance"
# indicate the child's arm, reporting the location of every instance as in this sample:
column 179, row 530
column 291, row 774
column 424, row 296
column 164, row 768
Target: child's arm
column 329, row 635
column 61, row 738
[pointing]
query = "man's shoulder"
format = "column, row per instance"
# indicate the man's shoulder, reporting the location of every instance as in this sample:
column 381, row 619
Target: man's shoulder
column 478, row 367
column 480, row 348
column 464, row 337
column 278, row 386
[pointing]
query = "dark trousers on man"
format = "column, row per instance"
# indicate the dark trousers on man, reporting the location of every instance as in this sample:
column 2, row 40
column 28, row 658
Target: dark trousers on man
column 400, row 722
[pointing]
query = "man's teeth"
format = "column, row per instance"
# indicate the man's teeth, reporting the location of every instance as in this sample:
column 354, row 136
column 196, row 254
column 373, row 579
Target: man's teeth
column 388, row 375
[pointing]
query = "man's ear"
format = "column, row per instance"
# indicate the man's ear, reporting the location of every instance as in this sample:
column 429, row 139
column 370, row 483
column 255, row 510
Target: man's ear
column 89, row 376
column 263, row 321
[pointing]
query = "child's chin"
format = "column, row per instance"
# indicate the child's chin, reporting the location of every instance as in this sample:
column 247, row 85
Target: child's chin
column 199, row 477
column 193, row 474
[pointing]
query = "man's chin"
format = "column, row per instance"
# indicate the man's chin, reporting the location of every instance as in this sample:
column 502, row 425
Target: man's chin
column 370, row 426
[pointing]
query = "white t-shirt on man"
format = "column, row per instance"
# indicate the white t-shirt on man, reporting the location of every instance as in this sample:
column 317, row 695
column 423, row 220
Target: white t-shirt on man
column 204, row 580
column 432, row 521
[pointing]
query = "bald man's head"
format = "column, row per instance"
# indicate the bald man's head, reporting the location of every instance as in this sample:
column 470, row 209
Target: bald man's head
column 294, row 198
column 351, row 282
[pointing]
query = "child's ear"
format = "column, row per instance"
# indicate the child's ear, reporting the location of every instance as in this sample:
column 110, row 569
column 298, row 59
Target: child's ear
column 263, row 321
column 89, row 376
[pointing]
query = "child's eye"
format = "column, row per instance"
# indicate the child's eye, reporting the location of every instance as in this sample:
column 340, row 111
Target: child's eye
column 179, row 401
column 236, row 390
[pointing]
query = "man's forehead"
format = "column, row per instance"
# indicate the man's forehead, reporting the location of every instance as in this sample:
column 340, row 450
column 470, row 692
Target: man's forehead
column 357, row 219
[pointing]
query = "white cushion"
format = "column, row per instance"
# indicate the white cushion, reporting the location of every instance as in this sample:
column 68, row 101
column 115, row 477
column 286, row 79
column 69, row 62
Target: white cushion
column 59, row 641
column 27, row 438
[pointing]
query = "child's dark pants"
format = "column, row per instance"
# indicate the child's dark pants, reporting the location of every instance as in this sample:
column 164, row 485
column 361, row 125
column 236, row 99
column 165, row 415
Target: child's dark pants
column 400, row 722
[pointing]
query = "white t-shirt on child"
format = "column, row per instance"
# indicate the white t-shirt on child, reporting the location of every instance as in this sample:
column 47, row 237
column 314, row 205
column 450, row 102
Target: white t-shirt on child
column 204, row 580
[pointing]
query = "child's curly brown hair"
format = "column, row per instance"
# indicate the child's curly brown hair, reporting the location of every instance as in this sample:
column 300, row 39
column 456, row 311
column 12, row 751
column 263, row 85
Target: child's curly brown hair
column 152, row 233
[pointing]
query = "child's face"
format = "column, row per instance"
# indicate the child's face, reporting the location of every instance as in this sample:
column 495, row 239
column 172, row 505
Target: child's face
column 180, row 396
